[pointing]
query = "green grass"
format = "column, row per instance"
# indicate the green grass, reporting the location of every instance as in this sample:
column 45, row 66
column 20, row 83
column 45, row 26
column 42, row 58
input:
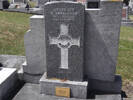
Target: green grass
column 125, row 57
column 13, row 26
column 32, row 4
column 131, row 17
column 12, row 29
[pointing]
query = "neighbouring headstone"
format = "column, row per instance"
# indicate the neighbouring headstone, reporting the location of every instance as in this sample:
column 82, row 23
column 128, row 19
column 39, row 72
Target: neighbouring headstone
column 131, row 5
column 1, row 5
column 34, row 42
column 125, row 13
column 64, row 28
column 126, row 21
column 4, row 4
column 102, row 29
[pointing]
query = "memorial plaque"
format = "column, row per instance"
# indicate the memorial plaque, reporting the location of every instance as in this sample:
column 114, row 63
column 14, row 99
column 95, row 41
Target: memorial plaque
column 64, row 28
column 62, row 91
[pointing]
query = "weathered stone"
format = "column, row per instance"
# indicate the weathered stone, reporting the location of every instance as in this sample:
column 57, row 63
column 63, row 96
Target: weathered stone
column 35, row 46
column 102, row 30
column 64, row 28
column 12, row 61
column 77, row 89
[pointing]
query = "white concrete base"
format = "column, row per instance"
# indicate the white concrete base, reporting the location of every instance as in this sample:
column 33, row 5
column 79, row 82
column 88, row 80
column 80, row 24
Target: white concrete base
column 78, row 89
column 8, row 78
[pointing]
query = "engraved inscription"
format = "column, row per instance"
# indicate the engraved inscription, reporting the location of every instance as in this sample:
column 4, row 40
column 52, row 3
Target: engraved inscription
column 62, row 14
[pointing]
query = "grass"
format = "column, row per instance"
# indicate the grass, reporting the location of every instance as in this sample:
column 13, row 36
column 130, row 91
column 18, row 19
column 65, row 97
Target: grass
column 32, row 4
column 13, row 26
column 131, row 17
column 12, row 29
column 125, row 57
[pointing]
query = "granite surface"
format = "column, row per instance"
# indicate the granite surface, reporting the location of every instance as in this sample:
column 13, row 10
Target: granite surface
column 64, row 28
column 34, row 42
column 106, row 87
column 102, row 29
column 12, row 61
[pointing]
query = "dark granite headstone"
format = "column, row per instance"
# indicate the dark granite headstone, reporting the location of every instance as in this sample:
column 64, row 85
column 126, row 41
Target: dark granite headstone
column 92, row 4
column 64, row 28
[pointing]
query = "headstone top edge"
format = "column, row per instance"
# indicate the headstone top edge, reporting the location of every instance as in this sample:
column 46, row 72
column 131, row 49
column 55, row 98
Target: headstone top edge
column 55, row 2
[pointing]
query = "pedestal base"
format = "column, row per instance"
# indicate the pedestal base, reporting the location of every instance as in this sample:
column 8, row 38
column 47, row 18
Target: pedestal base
column 77, row 89
column 106, row 87
column 31, row 92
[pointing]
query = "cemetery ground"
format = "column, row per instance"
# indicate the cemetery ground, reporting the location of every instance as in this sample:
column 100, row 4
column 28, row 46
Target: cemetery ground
column 14, row 25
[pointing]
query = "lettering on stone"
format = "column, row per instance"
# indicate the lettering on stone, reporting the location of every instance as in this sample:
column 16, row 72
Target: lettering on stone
column 61, row 14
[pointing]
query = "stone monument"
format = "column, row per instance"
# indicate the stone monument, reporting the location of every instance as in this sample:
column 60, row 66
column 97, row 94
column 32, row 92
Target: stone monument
column 72, row 49
column 64, row 28
column 4, row 4
column 125, row 16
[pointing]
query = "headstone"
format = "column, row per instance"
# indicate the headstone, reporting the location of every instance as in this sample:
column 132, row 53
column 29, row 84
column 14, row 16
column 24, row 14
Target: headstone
column 1, row 5
column 131, row 5
column 4, row 4
column 64, row 28
column 34, row 42
column 126, row 21
column 125, row 13
column 102, row 29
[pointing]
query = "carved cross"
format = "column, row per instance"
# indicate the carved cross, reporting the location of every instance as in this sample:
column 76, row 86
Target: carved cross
column 64, row 41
